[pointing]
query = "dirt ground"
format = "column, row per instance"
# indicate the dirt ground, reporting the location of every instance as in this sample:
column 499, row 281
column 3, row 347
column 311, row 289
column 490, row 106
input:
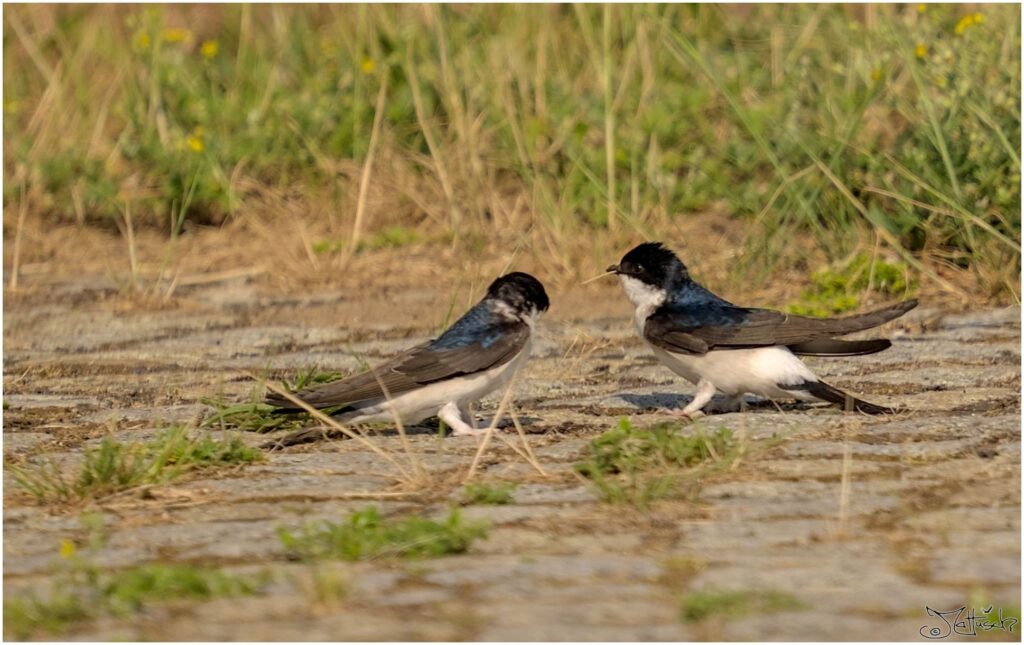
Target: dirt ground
column 865, row 521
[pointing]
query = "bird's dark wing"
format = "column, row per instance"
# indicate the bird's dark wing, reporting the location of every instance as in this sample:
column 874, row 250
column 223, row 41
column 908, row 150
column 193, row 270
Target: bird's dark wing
column 695, row 329
column 836, row 347
column 416, row 367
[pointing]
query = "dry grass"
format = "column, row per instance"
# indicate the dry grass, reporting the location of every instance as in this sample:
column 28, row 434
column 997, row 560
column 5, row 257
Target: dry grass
column 553, row 144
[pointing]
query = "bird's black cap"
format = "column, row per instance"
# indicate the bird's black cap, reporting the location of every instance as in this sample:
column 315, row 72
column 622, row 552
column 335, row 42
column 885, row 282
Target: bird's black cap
column 650, row 262
column 521, row 291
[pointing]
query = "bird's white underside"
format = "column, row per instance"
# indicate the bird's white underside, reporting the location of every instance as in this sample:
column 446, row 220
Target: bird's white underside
column 733, row 372
column 427, row 401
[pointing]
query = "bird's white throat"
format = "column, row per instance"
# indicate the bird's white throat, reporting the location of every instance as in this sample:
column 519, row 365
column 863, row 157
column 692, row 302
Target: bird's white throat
column 508, row 312
column 644, row 297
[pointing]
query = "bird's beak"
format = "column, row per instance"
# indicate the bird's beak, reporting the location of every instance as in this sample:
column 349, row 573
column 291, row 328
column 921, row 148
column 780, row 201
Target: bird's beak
column 613, row 269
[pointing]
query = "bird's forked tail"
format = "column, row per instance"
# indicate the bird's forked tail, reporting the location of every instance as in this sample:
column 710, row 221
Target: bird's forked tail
column 825, row 392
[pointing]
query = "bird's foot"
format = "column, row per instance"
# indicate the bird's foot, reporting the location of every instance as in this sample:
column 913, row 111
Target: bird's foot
column 469, row 431
column 682, row 414
column 695, row 409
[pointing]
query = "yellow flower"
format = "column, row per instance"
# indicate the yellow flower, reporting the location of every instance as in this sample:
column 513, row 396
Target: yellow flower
column 876, row 74
column 921, row 8
column 67, row 549
column 967, row 21
column 141, row 41
column 368, row 66
column 920, row 50
column 176, row 35
column 195, row 143
column 209, row 49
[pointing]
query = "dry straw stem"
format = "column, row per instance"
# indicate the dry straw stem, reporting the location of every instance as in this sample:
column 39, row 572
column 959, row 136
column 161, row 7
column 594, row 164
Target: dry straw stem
column 128, row 230
column 570, row 369
column 529, row 456
column 609, row 120
column 526, row 452
column 596, row 278
column 490, row 432
column 30, row 46
column 328, row 421
column 428, row 136
column 16, row 262
column 364, row 180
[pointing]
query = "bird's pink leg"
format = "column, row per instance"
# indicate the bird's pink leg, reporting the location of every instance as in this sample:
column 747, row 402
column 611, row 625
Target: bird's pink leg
column 705, row 391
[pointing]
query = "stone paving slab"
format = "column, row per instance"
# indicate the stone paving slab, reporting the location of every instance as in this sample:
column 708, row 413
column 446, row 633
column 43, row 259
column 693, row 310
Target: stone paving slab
column 863, row 520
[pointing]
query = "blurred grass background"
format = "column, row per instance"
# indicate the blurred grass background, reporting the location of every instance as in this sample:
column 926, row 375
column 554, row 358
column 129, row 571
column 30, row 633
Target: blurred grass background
column 848, row 142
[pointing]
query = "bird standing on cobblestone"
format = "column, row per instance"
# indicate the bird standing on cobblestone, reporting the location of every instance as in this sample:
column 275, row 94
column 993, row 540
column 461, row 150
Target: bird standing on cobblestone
column 474, row 357
column 720, row 347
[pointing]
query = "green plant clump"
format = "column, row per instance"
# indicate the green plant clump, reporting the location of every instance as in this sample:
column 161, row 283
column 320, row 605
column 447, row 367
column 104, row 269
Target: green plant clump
column 83, row 591
column 113, row 466
column 490, row 494
column 365, row 534
column 640, row 465
column 836, row 290
column 53, row 614
column 699, row 605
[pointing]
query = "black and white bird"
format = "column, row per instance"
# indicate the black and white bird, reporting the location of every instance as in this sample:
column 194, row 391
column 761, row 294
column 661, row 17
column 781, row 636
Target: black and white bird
column 720, row 347
column 477, row 355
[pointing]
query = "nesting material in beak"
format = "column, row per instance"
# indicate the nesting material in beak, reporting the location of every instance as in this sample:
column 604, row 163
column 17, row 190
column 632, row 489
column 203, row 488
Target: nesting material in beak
column 598, row 277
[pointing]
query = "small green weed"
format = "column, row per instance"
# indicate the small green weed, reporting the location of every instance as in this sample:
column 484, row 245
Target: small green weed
column 489, row 494
column 256, row 416
column 251, row 417
column 328, row 246
column 311, row 376
column 837, row 290
column 83, row 591
column 641, row 465
column 367, row 535
column 699, row 605
column 393, row 236
column 53, row 614
column 1005, row 618
column 130, row 590
column 113, row 466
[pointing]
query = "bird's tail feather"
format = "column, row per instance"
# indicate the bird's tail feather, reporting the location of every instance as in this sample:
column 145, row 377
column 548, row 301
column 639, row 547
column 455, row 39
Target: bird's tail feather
column 825, row 392
column 283, row 406
column 305, row 435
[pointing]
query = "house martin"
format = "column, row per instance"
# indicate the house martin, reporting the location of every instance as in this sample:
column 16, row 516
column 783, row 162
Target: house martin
column 721, row 347
column 477, row 355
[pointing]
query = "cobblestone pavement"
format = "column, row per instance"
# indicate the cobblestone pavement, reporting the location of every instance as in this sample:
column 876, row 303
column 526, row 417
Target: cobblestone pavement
column 865, row 521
